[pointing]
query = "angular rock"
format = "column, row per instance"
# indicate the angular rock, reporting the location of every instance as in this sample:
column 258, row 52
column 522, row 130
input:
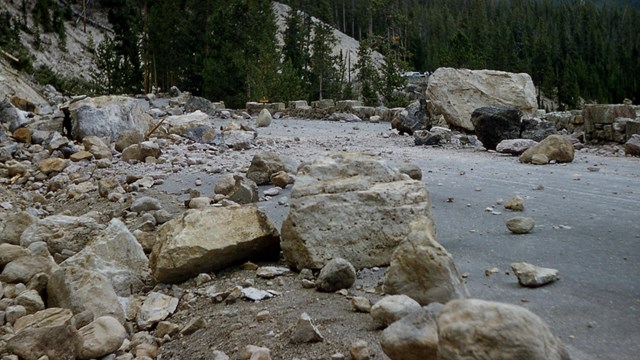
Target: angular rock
column 412, row 170
column 22, row 269
column 63, row 234
column 367, row 202
column 116, row 254
column 520, row 225
column 252, row 352
column 79, row 290
column 360, row 350
column 264, row 118
column 263, row 166
column 31, row 301
column 270, row 272
column 97, row 147
column 14, row 312
column 81, row 155
column 244, row 191
column 498, row 331
column 424, row 137
column 211, row 239
column 141, row 151
column 195, row 126
column 49, row 333
column 305, row 331
column 554, row 147
column 422, row 269
column 361, row 304
column 103, row 336
column 393, row 308
column 493, row 124
column 193, row 326
column 127, row 138
column 514, row 146
column 281, row 179
column 107, row 117
column 11, row 115
column 411, row 119
column 156, row 307
column 456, row 93
column 145, row 203
column 9, row 252
column 15, row 226
column 239, row 139
column 22, row 135
column 335, row 275
column 632, row 146
column 533, row 276
column 255, row 294
column 50, row 165
column 166, row 328
column 196, row 103
column 536, row 129
column 414, row 337
column 342, row 116
column 516, row 203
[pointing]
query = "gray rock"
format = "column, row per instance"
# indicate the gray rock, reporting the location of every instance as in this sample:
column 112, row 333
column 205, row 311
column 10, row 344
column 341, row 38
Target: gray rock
column 14, row 312
column 516, row 203
column 414, row 337
column 361, row 304
column 145, row 203
column 335, row 275
column 195, row 103
column 97, row 147
column 22, row 269
column 14, row 226
column 532, row 276
column 225, row 184
column 103, row 336
column 141, row 151
column 496, row 123
column 520, row 224
column 155, row 308
column 411, row 119
column 252, row 352
column 346, row 117
column 514, row 146
column 393, row 308
column 239, row 139
column 263, row 166
column 211, row 239
column 536, row 129
column 498, row 331
column 255, row 294
column 244, row 191
column 264, row 118
column 127, row 138
column 632, row 146
column 11, row 115
column 31, row 301
column 360, row 350
column 9, row 252
column 305, row 331
column 270, row 272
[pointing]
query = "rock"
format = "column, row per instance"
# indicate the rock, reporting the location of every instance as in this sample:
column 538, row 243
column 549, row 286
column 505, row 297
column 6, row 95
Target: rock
column 498, row 331
column 281, row 179
column 539, row 159
column 263, row 166
column 367, row 202
column 411, row 119
column 599, row 116
column 116, row 254
column 107, row 117
column 196, row 103
column 516, row 203
column 9, row 252
column 225, row 184
column 63, row 234
column 51, row 165
column 514, row 146
column 14, row 312
column 360, row 350
column 219, row 355
column 211, row 239
column 393, row 308
column 127, row 138
column 252, row 352
column 632, row 146
column 166, row 328
column 195, row 126
column 305, row 331
column 493, row 124
column 520, row 225
column 270, row 272
column 456, row 93
column 422, row 269
column 554, row 147
column 342, row 116
column 31, row 301
column 412, row 170
column 414, row 337
column 81, row 155
column 264, row 118
column 97, row 147
column 193, row 326
column 361, row 304
column 141, row 151
column 12, row 116
column 145, row 203
column 22, row 135
column 48, row 333
column 536, row 129
column 533, row 276
column 79, row 289
column 424, row 137
column 335, row 275
column 255, row 294
column 155, row 308
column 103, row 336
column 239, row 139
column 14, row 227
column 199, row 202
column 22, row 269
column 244, row 191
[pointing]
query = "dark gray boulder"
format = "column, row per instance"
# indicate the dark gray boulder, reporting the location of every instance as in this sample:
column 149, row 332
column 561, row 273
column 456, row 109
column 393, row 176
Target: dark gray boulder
column 496, row 123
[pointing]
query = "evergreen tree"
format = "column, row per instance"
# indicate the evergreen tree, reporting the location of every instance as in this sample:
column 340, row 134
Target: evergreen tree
column 323, row 72
column 368, row 77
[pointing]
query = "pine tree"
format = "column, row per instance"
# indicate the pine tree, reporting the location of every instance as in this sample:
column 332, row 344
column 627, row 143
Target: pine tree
column 368, row 77
column 322, row 70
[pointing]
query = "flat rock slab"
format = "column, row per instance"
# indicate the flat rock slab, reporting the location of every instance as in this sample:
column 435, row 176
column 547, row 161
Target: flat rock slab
column 532, row 276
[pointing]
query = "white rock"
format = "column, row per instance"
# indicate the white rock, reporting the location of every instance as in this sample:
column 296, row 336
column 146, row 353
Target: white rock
column 156, row 308
column 103, row 336
column 393, row 308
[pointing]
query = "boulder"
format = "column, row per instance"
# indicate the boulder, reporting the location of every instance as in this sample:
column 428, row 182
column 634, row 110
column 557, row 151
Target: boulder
column 264, row 118
column 22, row 135
column 10, row 252
column 196, row 126
column 393, row 308
column 101, row 337
column 22, row 269
column 116, row 254
column 64, row 235
column 477, row 329
column 496, row 123
column 539, row 159
column 196, row 103
column 211, row 239
column 49, row 332
column 141, row 151
column 632, row 146
column 520, row 225
column 412, row 118
column 145, row 203
column 414, row 337
column 97, row 147
column 263, row 166
column 335, row 275
column 425, row 137
column 536, row 129
column 533, row 276
column 244, row 191
column 353, row 206
column 78, row 290
column 456, row 93
column 14, row 226
column 422, row 269
column 107, row 117
column 554, row 147
column 127, row 138
column 52, row 165
column 155, row 308
column 514, row 146
column 31, row 301
column 12, row 116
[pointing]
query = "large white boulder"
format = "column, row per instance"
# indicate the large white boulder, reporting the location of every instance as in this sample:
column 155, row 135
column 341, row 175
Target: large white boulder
column 353, row 206
column 211, row 239
column 456, row 93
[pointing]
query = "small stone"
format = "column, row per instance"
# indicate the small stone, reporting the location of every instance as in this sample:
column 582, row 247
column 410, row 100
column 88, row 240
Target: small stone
column 263, row 316
column 193, row 326
column 199, row 202
column 166, row 328
column 274, row 191
column 308, row 284
column 393, row 308
column 145, row 203
column 516, row 203
column 31, row 301
column 255, row 294
column 520, row 225
column 202, row 279
column 360, row 350
column 219, row 355
column 532, row 276
column 361, row 304
column 335, row 275
column 81, row 155
column 13, row 313
column 252, row 352
column 305, row 331
column 270, row 272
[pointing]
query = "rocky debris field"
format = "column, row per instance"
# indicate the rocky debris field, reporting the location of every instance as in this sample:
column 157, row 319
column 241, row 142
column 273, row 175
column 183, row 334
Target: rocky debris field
column 164, row 232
